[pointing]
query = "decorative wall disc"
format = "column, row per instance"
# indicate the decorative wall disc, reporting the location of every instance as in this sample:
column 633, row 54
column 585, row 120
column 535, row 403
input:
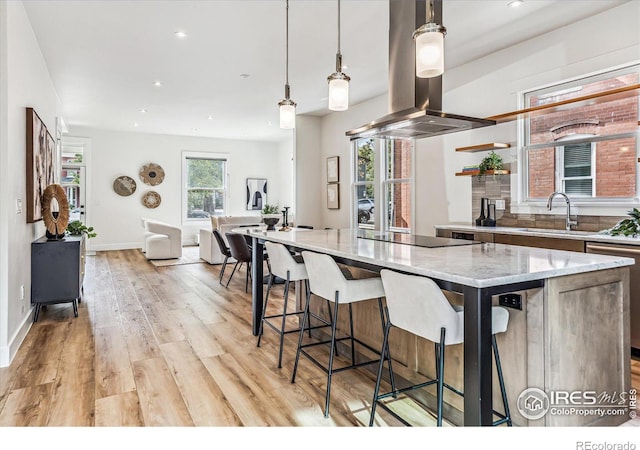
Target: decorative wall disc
column 55, row 211
column 124, row 186
column 151, row 199
column 152, row 174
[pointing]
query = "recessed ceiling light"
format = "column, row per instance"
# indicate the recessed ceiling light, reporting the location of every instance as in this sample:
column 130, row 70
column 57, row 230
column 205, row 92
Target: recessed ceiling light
column 210, row 117
column 157, row 83
column 345, row 67
column 515, row 3
column 135, row 124
column 244, row 75
column 194, row 129
column 269, row 123
column 142, row 110
column 180, row 34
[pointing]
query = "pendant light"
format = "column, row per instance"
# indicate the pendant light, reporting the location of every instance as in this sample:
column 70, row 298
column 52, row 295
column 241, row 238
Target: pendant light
column 338, row 81
column 287, row 106
column 429, row 40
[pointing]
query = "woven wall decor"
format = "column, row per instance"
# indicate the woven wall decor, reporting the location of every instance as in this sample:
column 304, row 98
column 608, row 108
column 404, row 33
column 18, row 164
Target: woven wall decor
column 124, row 185
column 55, row 218
column 151, row 199
column 152, row 174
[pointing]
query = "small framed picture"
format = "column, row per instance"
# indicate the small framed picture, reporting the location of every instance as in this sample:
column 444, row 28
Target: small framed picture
column 333, row 169
column 333, row 196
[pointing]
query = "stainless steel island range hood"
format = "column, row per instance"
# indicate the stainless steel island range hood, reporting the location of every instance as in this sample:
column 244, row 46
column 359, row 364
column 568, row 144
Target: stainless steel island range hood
column 415, row 104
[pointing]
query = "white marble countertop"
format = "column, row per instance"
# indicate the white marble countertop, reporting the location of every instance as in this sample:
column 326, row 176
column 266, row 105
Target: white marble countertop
column 589, row 236
column 476, row 265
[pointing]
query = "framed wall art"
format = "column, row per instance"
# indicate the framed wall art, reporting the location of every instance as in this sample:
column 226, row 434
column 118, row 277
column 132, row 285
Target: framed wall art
column 256, row 193
column 333, row 196
column 333, row 169
column 41, row 164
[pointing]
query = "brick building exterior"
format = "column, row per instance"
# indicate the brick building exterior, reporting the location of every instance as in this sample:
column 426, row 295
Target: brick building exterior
column 615, row 160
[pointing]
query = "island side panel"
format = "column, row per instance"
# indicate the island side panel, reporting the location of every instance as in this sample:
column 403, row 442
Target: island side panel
column 587, row 339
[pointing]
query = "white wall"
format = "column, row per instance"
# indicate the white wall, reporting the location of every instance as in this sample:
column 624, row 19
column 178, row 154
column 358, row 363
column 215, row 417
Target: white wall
column 283, row 185
column 486, row 87
column 116, row 219
column 309, row 207
column 26, row 83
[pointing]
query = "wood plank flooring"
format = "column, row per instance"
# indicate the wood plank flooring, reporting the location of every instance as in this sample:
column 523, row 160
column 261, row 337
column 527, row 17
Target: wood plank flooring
column 169, row 346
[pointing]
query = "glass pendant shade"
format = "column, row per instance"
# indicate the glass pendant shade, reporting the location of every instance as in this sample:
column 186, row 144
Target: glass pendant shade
column 429, row 54
column 338, row 94
column 287, row 115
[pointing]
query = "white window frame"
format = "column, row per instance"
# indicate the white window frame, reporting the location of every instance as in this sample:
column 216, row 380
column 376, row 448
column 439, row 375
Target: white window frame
column 386, row 182
column 521, row 204
column 560, row 176
column 380, row 188
column 355, row 184
column 186, row 155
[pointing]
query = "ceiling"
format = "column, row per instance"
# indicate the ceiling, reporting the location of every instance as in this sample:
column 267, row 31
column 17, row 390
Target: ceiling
column 225, row 78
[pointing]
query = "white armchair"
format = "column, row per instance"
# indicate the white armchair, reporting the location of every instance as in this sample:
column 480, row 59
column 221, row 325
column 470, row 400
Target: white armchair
column 163, row 242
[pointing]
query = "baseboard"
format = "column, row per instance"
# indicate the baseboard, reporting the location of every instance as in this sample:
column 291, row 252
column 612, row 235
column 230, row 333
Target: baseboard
column 7, row 353
column 121, row 246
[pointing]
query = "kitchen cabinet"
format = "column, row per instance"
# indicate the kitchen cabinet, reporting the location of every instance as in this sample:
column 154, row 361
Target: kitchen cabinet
column 629, row 251
column 57, row 272
column 572, row 245
column 484, row 147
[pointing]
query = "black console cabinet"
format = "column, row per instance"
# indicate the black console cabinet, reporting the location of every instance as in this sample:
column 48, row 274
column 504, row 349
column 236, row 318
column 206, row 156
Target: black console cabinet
column 57, row 271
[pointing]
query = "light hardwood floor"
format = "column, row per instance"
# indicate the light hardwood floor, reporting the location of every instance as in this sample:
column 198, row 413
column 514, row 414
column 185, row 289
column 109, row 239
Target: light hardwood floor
column 169, row 346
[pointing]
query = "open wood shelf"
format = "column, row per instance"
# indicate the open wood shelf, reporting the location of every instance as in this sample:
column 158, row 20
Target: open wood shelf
column 477, row 172
column 592, row 99
column 483, row 147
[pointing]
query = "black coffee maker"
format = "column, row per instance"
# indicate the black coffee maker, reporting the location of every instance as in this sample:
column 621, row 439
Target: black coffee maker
column 484, row 211
column 487, row 216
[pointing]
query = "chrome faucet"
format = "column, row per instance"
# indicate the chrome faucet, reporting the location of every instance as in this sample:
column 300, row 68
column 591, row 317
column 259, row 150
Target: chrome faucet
column 566, row 199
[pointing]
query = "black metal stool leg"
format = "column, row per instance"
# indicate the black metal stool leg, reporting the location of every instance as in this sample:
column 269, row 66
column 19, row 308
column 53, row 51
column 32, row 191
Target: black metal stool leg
column 305, row 316
column 353, row 342
column 386, row 351
column 331, row 354
column 376, row 391
column 284, row 319
column 440, row 374
column 503, row 390
column 224, row 266
column 264, row 309
column 232, row 272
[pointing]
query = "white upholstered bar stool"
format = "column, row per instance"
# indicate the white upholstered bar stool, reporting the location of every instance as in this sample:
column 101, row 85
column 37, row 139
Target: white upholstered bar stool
column 291, row 269
column 328, row 281
column 417, row 305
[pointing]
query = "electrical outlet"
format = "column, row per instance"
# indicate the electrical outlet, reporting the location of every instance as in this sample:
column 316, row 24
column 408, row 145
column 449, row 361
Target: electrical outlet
column 510, row 301
column 500, row 205
column 18, row 206
column 22, row 292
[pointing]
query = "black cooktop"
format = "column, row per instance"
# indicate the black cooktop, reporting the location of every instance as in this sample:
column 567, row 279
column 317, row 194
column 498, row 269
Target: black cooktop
column 413, row 239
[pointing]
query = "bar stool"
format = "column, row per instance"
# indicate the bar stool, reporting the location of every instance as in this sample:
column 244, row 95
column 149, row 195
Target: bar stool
column 328, row 281
column 290, row 268
column 417, row 305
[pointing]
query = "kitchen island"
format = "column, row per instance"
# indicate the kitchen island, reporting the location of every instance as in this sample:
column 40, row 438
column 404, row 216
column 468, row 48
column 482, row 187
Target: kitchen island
column 571, row 333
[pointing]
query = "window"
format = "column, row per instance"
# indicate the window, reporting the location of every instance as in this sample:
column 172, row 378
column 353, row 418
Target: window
column 392, row 182
column 364, row 177
column 587, row 151
column 397, row 185
column 205, row 185
column 577, row 169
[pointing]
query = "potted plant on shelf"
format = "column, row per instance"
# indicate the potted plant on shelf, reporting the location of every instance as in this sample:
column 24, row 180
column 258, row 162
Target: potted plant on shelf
column 492, row 162
column 270, row 216
column 77, row 228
